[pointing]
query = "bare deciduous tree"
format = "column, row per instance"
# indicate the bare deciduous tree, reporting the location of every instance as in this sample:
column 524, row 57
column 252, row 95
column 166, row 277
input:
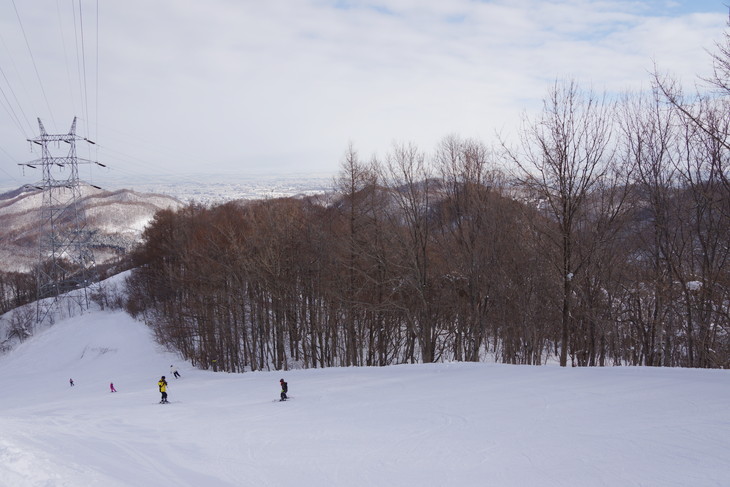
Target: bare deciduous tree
column 564, row 153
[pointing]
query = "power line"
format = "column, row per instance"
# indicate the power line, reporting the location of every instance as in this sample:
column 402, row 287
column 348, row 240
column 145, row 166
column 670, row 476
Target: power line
column 83, row 61
column 81, row 41
column 20, row 107
column 78, row 59
column 96, row 107
column 10, row 176
column 65, row 54
column 9, row 108
column 35, row 66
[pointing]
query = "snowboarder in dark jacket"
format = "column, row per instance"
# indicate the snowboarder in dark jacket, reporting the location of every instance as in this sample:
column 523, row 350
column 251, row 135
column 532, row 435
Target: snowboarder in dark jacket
column 284, row 390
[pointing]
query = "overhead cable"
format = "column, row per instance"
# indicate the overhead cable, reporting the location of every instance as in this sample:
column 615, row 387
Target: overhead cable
column 65, row 55
column 28, row 125
column 83, row 61
column 35, row 66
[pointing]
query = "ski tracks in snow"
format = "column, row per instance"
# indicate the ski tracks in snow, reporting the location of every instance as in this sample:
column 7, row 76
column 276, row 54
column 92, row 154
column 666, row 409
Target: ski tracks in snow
column 27, row 466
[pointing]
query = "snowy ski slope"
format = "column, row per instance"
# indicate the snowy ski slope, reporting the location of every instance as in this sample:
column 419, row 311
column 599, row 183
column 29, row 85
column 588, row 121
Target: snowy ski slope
column 410, row 425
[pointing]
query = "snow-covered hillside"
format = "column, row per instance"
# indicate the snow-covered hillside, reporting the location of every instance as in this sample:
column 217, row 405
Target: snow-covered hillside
column 409, row 425
column 118, row 216
column 116, row 219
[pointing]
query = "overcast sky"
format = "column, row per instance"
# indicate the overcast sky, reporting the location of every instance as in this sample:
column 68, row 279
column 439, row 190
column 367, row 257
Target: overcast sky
column 182, row 86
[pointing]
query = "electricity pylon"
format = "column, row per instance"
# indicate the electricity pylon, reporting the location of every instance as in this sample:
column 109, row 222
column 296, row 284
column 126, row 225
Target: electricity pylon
column 65, row 256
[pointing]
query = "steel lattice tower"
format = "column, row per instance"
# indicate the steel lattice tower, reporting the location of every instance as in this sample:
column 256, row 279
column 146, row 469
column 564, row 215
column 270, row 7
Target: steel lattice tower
column 65, row 256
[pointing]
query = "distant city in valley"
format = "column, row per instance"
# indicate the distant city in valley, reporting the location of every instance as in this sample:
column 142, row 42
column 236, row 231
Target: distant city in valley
column 213, row 188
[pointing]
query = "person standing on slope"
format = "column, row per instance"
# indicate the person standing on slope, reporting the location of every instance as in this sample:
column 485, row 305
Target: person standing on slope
column 174, row 372
column 162, row 384
column 284, row 390
column 71, row 381
column 111, row 387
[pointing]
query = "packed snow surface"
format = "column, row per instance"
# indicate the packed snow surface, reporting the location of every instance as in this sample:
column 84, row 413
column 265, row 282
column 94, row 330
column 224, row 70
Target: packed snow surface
column 454, row 424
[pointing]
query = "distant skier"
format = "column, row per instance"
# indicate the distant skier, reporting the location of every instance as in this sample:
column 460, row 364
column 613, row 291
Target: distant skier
column 111, row 387
column 174, row 372
column 162, row 384
column 284, row 390
column 71, row 381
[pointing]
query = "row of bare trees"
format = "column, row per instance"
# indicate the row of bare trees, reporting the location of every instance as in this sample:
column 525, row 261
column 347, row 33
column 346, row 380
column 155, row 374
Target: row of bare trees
column 418, row 269
column 601, row 236
column 16, row 289
column 636, row 204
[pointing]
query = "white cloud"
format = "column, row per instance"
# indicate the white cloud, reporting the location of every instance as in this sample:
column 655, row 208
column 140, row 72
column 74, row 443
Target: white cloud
column 187, row 85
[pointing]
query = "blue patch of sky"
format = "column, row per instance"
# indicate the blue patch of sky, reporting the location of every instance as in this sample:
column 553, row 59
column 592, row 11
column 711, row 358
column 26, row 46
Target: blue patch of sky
column 381, row 9
column 681, row 7
column 342, row 5
column 655, row 7
column 455, row 18
column 646, row 8
column 359, row 5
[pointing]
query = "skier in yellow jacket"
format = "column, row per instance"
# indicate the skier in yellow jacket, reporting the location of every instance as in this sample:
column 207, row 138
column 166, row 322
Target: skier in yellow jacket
column 162, row 384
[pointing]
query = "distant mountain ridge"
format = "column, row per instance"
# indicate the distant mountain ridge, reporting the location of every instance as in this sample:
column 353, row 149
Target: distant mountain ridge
column 115, row 220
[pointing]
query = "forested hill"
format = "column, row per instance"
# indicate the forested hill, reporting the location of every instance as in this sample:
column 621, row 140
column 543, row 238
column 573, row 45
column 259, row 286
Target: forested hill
column 402, row 267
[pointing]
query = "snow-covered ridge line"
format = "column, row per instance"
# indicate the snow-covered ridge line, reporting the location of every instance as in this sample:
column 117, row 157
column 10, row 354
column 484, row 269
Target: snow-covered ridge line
column 116, row 219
